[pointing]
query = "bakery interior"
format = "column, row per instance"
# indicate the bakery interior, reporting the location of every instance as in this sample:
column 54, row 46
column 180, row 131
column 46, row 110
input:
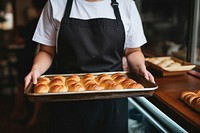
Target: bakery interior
column 172, row 30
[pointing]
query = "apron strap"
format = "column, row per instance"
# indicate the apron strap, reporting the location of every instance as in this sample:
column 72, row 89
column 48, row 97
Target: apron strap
column 68, row 8
column 115, row 5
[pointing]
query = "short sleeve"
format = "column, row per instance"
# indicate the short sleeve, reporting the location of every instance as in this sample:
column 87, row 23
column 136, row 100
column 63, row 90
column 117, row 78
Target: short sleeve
column 46, row 31
column 135, row 34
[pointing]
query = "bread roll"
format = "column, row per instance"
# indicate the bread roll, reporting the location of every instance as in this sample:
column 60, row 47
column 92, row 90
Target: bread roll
column 73, row 77
column 87, row 76
column 156, row 60
column 102, row 77
column 165, row 63
column 76, row 87
column 93, row 87
column 59, row 77
column 43, row 80
column 175, row 64
column 113, row 86
column 56, row 82
column 41, row 88
column 197, row 92
column 58, row 89
column 115, row 75
column 106, row 82
column 191, row 98
column 120, row 79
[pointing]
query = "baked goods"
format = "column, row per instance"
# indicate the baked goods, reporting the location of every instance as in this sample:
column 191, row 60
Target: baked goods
column 42, row 85
column 86, row 82
column 56, row 81
column 43, row 80
column 58, row 88
column 192, row 99
column 76, row 87
column 41, row 88
column 164, row 62
column 175, row 64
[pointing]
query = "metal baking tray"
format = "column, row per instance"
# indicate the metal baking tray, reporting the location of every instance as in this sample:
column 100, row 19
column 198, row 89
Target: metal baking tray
column 148, row 90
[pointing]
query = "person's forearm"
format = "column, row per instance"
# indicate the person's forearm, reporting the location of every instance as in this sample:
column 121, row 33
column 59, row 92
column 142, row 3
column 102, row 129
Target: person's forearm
column 135, row 59
column 42, row 62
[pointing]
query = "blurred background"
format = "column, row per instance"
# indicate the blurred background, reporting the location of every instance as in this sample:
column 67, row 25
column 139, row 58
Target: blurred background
column 171, row 28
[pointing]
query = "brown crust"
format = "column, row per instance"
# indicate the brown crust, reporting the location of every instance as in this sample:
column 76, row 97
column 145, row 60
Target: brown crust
column 191, row 98
column 87, row 82
column 41, row 88
column 58, row 89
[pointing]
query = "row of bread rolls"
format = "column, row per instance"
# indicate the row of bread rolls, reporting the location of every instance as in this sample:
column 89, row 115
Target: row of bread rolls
column 164, row 62
column 87, row 82
column 192, row 98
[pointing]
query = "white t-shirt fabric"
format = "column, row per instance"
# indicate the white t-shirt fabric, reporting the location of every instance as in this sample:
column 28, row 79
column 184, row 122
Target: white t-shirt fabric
column 49, row 23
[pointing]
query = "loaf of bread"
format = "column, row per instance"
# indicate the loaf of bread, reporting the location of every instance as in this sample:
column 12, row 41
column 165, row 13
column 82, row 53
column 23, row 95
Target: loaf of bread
column 192, row 99
column 86, row 82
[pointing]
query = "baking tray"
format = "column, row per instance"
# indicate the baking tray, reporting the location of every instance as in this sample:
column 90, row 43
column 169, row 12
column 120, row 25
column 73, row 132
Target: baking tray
column 148, row 90
column 170, row 71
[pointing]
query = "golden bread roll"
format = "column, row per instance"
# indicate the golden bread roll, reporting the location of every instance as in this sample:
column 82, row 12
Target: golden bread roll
column 133, row 86
column 191, row 98
column 43, row 80
column 175, row 64
column 197, row 92
column 58, row 89
column 70, row 82
column 115, row 75
column 89, row 81
column 93, row 87
column 165, row 63
column 41, row 88
column 87, row 76
column 76, row 87
column 120, row 79
column 127, row 81
column 113, row 86
column 56, row 82
column 106, row 82
column 102, row 77
column 73, row 77
column 186, row 93
column 59, row 77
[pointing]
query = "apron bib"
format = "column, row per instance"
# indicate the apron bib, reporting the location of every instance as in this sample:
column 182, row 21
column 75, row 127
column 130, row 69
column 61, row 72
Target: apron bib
column 84, row 46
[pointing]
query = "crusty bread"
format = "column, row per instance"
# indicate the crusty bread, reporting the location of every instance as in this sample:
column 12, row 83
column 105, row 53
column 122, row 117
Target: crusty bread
column 191, row 98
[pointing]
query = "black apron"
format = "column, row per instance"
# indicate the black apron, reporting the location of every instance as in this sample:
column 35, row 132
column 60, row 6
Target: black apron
column 84, row 46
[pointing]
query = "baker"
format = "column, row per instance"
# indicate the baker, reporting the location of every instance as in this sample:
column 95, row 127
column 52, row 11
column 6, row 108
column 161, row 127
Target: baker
column 89, row 36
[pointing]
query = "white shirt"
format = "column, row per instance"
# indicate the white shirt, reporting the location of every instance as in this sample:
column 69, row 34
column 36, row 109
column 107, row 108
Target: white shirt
column 49, row 23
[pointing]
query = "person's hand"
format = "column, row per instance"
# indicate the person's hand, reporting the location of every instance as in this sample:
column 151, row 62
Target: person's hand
column 31, row 77
column 144, row 72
